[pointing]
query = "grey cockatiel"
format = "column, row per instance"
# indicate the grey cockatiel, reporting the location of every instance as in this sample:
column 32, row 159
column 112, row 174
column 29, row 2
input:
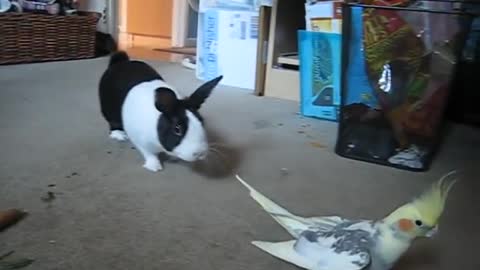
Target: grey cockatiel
column 336, row 243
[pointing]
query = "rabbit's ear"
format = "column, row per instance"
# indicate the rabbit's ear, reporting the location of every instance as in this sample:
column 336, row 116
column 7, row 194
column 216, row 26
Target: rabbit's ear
column 202, row 93
column 166, row 100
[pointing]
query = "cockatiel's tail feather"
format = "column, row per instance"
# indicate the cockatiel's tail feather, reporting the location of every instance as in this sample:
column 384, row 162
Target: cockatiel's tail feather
column 293, row 224
column 432, row 202
column 285, row 251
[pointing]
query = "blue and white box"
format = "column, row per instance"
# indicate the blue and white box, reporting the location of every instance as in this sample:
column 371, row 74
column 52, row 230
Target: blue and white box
column 227, row 45
column 320, row 74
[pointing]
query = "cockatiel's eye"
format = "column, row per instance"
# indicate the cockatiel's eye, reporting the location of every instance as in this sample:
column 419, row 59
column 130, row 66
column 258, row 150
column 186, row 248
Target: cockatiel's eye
column 418, row 223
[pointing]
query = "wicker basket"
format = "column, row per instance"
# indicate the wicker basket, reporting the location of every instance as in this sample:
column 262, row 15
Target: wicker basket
column 28, row 37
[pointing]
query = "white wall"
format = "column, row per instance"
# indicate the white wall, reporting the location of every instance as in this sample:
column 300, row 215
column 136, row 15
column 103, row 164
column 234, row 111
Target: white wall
column 93, row 5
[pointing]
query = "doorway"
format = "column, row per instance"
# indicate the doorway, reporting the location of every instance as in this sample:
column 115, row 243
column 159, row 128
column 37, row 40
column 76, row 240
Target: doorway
column 192, row 24
column 185, row 24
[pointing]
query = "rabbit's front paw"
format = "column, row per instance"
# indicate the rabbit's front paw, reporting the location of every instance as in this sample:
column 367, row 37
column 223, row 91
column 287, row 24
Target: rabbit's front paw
column 118, row 135
column 153, row 165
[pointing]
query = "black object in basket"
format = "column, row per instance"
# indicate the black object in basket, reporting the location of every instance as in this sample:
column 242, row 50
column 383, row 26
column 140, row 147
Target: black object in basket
column 397, row 67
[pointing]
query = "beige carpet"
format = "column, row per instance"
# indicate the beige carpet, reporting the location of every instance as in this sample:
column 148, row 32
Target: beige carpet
column 110, row 213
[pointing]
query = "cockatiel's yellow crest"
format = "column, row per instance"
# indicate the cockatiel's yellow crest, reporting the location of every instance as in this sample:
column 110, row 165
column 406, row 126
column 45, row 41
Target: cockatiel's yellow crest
column 429, row 205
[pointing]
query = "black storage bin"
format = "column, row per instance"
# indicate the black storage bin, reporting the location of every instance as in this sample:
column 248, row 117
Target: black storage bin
column 398, row 64
column 463, row 104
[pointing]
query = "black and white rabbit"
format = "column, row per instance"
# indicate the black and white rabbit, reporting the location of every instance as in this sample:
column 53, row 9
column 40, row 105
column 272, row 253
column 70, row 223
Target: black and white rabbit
column 140, row 106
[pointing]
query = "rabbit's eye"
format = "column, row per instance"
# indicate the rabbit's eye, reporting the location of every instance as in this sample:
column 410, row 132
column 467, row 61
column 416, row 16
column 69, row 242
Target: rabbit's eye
column 178, row 130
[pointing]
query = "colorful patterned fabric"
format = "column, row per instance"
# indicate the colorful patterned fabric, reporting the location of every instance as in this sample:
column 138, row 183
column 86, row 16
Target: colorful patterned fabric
column 393, row 3
column 387, row 37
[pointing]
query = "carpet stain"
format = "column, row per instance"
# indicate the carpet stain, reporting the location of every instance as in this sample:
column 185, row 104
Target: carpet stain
column 261, row 124
column 317, row 145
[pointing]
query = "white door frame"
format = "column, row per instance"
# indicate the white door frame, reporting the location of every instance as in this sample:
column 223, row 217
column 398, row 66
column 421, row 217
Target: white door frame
column 179, row 23
column 113, row 8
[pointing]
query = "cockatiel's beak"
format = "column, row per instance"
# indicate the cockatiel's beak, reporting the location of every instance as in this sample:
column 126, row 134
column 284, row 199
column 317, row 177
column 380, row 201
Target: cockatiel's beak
column 432, row 232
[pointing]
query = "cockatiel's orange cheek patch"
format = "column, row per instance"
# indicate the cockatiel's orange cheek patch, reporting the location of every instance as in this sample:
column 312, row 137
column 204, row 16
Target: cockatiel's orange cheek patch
column 405, row 225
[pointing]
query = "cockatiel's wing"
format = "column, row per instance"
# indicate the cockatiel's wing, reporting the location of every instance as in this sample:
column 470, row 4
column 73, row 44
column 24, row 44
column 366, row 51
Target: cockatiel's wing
column 286, row 251
column 324, row 259
column 295, row 225
column 344, row 248
column 322, row 243
column 326, row 223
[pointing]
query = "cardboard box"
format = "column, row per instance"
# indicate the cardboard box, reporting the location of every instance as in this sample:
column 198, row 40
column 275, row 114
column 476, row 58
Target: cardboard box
column 227, row 45
column 320, row 60
column 249, row 5
column 324, row 16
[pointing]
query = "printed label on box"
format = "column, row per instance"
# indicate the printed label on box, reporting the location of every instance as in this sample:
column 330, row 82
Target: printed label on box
column 227, row 45
column 320, row 61
column 210, row 45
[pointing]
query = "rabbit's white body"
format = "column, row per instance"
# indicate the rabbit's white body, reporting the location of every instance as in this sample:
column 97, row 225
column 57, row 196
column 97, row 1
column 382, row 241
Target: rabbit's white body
column 140, row 120
column 140, row 106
